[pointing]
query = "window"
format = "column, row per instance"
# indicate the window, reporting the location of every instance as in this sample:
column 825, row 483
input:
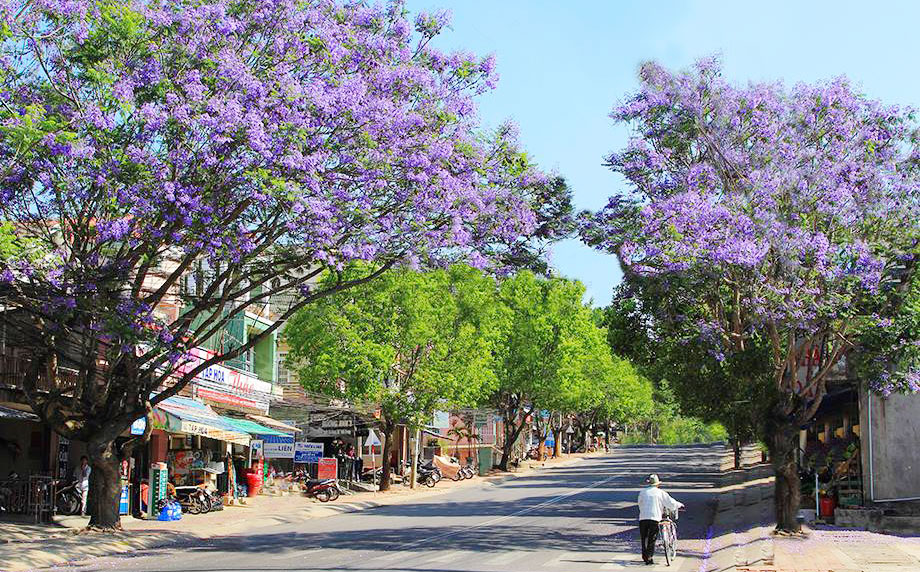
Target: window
column 284, row 375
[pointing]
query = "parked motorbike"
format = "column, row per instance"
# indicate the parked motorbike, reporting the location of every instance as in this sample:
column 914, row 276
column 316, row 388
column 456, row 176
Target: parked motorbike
column 468, row 471
column 461, row 473
column 195, row 501
column 323, row 490
column 428, row 466
column 426, row 474
column 534, row 453
column 68, row 500
column 371, row 474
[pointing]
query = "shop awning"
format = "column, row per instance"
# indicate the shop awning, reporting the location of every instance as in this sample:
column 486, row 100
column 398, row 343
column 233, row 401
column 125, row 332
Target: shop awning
column 15, row 414
column 253, row 428
column 184, row 415
column 274, row 423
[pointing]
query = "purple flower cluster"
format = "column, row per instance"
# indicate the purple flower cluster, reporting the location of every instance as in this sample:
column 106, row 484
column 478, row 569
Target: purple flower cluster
column 215, row 128
column 800, row 199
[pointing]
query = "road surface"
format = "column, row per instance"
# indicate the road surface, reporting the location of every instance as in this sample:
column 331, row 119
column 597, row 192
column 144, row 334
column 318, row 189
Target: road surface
column 578, row 518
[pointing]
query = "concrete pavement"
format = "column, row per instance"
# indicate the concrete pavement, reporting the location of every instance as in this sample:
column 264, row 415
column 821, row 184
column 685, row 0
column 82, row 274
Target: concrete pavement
column 563, row 519
column 743, row 540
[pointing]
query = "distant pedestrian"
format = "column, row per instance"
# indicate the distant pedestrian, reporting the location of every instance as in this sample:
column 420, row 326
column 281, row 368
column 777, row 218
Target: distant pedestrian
column 81, row 475
column 653, row 502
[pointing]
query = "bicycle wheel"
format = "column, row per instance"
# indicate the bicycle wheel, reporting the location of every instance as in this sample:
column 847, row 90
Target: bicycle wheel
column 672, row 542
column 664, row 533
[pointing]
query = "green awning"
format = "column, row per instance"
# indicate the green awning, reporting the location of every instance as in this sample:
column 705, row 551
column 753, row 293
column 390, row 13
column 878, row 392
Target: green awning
column 251, row 427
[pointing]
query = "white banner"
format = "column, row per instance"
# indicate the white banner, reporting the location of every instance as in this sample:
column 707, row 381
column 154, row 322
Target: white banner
column 278, row 447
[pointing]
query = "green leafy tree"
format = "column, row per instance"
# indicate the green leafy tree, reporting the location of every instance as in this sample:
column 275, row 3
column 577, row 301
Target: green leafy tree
column 409, row 344
column 734, row 391
column 553, row 358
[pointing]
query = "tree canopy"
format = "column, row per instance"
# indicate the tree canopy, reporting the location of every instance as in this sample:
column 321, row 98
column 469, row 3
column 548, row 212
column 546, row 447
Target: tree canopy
column 409, row 343
column 768, row 215
column 168, row 165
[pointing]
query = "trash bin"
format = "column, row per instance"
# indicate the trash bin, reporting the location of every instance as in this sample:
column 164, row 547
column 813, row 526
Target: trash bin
column 827, row 505
column 253, row 482
column 485, row 460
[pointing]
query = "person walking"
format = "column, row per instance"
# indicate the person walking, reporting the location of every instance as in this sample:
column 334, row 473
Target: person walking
column 81, row 475
column 653, row 502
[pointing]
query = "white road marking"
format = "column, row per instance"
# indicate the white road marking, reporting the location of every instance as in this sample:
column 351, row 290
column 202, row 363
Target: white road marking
column 392, row 556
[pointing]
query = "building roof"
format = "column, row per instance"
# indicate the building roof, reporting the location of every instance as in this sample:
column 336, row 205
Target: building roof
column 274, row 423
column 253, row 428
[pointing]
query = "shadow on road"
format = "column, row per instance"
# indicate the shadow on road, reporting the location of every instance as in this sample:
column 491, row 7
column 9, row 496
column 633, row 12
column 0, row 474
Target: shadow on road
column 588, row 509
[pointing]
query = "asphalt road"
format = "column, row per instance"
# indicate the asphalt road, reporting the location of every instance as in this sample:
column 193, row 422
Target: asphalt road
column 577, row 518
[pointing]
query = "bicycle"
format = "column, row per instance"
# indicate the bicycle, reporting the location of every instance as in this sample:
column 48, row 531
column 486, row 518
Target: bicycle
column 667, row 532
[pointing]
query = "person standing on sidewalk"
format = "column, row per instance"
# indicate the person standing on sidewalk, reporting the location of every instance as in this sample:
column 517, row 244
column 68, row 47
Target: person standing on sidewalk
column 653, row 502
column 81, row 474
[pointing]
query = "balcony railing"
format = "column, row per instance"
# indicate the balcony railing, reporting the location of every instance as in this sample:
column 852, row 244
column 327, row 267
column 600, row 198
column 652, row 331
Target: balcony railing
column 13, row 372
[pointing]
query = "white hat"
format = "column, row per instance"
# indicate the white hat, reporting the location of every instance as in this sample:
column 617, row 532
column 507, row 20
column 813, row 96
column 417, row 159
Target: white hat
column 653, row 480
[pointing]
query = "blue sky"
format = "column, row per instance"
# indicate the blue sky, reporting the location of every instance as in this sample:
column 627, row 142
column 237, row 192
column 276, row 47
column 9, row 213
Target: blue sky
column 564, row 65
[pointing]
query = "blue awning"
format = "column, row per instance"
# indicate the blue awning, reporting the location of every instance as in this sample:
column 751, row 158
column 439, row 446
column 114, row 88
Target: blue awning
column 195, row 418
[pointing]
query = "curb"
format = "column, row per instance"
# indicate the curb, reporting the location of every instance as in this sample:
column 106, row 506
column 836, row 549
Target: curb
column 730, row 501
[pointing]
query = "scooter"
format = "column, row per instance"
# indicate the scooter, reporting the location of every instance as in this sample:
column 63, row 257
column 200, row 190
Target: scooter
column 428, row 467
column 323, row 490
column 426, row 474
column 194, row 501
column 68, row 500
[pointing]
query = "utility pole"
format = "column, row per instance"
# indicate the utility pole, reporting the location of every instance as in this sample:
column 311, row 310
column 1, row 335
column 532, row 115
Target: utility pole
column 418, row 437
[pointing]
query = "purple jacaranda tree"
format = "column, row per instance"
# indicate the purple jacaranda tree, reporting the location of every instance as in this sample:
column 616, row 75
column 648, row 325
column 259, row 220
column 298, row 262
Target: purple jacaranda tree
column 785, row 216
column 168, row 165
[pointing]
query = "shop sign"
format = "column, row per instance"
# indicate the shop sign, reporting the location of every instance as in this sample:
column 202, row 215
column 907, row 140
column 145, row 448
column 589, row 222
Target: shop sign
column 227, row 386
column 139, row 426
column 193, row 428
column 278, row 446
column 328, row 468
column 305, row 452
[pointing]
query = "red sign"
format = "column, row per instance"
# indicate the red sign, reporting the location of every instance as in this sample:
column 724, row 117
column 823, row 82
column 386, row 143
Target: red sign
column 328, row 468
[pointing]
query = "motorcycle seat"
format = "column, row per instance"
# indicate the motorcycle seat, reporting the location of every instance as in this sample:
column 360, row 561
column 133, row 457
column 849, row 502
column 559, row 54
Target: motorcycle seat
column 314, row 482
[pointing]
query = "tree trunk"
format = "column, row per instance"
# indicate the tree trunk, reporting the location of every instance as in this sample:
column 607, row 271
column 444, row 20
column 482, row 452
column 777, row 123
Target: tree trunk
column 736, row 450
column 104, row 484
column 508, row 444
column 557, row 446
column 389, row 435
column 782, row 440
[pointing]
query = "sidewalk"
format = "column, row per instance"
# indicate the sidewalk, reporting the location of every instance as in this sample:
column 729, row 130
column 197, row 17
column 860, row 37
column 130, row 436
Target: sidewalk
column 742, row 540
column 30, row 546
